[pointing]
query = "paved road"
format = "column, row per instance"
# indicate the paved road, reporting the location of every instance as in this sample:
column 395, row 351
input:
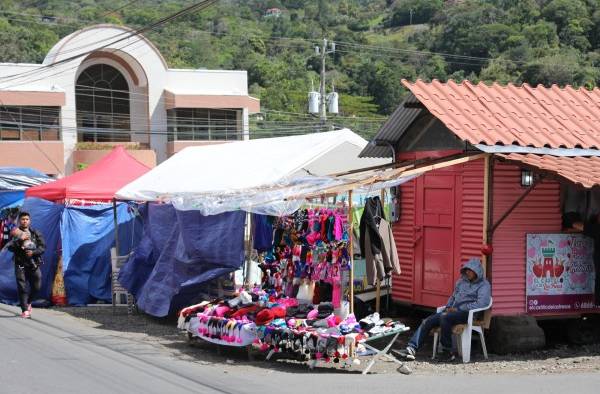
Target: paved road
column 51, row 354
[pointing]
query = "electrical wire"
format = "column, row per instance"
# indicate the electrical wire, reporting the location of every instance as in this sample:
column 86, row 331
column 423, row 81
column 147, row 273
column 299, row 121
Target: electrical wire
column 135, row 33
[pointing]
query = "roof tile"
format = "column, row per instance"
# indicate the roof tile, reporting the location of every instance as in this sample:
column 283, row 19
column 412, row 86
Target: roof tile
column 522, row 115
column 581, row 170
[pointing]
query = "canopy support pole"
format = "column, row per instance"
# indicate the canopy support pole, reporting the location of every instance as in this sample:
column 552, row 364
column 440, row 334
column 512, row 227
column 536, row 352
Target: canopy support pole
column 378, row 282
column 248, row 245
column 488, row 189
column 116, row 223
column 351, row 250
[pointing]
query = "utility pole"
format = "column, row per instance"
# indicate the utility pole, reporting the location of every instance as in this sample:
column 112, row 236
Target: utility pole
column 322, row 101
column 318, row 101
column 411, row 14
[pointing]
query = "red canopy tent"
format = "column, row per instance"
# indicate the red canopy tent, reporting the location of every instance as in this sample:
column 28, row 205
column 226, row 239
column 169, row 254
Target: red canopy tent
column 97, row 183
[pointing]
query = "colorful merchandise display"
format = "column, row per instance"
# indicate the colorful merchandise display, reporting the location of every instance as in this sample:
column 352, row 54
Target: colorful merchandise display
column 275, row 324
column 308, row 256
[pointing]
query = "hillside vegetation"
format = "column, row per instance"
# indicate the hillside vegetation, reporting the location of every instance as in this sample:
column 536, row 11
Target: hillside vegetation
column 379, row 42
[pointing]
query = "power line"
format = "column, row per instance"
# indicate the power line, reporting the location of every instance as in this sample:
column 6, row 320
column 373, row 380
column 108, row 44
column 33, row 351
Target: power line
column 192, row 8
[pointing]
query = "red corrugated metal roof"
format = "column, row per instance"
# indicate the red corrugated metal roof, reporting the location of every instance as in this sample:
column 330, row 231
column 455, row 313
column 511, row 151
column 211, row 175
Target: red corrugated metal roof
column 584, row 171
column 523, row 115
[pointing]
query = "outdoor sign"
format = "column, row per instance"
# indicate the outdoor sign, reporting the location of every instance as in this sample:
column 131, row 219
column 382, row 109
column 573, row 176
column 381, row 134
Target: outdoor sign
column 560, row 273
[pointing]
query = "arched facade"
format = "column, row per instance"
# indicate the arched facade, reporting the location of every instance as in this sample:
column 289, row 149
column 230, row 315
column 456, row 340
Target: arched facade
column 158, row 98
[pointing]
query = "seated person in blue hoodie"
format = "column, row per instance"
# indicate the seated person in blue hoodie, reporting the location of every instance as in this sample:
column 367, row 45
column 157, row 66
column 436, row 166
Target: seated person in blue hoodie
column 472, row 291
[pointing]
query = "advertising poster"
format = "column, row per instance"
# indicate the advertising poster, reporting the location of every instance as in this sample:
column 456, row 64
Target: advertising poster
column 560, row 273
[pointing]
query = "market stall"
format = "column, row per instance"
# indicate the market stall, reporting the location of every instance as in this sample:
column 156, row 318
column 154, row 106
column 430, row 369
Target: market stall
column 82, row 219
column 309, row 251
column 264, row 174
column 302, row 308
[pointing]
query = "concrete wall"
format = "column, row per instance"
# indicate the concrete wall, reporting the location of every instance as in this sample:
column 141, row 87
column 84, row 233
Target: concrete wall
column 210, row 82
column 44, row 156
column 145, row 70
column 176, row 146
column 145, row 156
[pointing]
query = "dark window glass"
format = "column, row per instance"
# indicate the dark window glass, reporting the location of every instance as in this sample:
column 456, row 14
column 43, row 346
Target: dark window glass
column 103, row 110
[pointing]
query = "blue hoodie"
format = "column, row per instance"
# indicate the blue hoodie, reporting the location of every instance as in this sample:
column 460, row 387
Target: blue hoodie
column 471, row 295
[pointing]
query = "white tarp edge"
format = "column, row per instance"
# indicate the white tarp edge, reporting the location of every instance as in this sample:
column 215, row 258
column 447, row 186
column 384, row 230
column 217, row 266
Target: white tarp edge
column 256, row 175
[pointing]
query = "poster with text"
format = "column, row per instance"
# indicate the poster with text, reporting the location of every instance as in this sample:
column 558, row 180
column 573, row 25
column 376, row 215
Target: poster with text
column 560, row 273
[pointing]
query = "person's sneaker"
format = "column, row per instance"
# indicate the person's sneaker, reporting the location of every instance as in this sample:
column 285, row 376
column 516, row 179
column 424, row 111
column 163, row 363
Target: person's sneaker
column 26, row 315
column 408, row 353
column 446, row 356
column 29, row 308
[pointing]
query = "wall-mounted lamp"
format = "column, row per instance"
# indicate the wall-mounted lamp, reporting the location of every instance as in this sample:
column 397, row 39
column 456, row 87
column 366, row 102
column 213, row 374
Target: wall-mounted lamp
column 526, row 178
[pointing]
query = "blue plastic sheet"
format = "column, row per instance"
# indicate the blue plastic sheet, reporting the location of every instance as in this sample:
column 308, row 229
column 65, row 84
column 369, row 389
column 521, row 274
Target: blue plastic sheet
column 179, row 252
column 88, row 235
column 159, row 220
column 11, row 199
column 45, row 217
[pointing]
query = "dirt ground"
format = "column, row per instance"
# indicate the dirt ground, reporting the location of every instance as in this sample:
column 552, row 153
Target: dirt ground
column 143, row 331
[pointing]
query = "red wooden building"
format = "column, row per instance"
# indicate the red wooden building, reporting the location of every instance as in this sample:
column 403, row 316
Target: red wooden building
column 531, row 153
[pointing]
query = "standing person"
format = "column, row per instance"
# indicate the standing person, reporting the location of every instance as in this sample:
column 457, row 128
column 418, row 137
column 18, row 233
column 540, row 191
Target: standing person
column 27, row 246
column 472, row 291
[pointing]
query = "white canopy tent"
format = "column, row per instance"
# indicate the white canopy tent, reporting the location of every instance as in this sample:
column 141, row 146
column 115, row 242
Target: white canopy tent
column 256, row 176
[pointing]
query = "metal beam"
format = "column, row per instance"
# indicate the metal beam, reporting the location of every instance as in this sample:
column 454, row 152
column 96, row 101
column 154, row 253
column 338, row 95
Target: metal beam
column 515, row 205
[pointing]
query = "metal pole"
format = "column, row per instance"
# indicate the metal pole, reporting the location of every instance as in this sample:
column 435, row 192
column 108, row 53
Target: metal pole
column 323, row 108
column 248, row 240
column 351, row 250
column 116, row 223
column 378, row 283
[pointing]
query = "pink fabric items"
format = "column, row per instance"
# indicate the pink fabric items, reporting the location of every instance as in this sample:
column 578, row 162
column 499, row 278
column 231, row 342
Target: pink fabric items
column 338, row 229
column 220, row 311
column 312, row 315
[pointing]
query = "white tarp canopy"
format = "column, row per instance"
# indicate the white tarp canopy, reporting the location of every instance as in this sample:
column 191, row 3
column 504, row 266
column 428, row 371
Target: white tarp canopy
column 256, row 175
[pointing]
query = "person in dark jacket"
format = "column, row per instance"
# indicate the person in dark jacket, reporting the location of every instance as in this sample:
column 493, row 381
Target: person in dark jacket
column 472, row 291
column 27, row 246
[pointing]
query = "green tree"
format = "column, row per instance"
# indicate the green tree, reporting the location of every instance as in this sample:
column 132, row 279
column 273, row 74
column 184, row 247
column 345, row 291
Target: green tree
column 417, row 11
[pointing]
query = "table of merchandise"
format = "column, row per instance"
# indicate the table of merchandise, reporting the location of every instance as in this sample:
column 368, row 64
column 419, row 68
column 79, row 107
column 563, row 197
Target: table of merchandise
column 341, row 342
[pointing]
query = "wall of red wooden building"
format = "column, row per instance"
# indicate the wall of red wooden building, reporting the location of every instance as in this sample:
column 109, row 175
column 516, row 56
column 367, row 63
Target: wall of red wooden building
column 539, row 212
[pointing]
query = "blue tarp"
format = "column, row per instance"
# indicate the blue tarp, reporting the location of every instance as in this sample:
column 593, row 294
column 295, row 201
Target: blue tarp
column 11, row 199
column 87, row 236
column 14, row 181
column 24, row 171
column 180, row 251
column 45, row 217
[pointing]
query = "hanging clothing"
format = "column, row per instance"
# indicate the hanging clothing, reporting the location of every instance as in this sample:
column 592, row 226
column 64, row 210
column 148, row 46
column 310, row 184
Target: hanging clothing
column 374, row 261
column 391, row 262
column 371, row 244
column 369, row 222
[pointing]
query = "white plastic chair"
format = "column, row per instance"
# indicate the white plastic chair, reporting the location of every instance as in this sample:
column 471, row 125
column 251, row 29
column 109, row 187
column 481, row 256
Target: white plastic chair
column 463, row 333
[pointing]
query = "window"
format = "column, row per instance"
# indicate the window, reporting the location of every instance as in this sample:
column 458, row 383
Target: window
column 29, row 123
column 102, row 97
column 198, row 124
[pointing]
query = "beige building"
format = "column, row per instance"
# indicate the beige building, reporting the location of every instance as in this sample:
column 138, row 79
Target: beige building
column 106, row 85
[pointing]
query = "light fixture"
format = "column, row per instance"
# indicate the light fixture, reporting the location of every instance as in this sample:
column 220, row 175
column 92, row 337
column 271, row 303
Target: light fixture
column 526, row 178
